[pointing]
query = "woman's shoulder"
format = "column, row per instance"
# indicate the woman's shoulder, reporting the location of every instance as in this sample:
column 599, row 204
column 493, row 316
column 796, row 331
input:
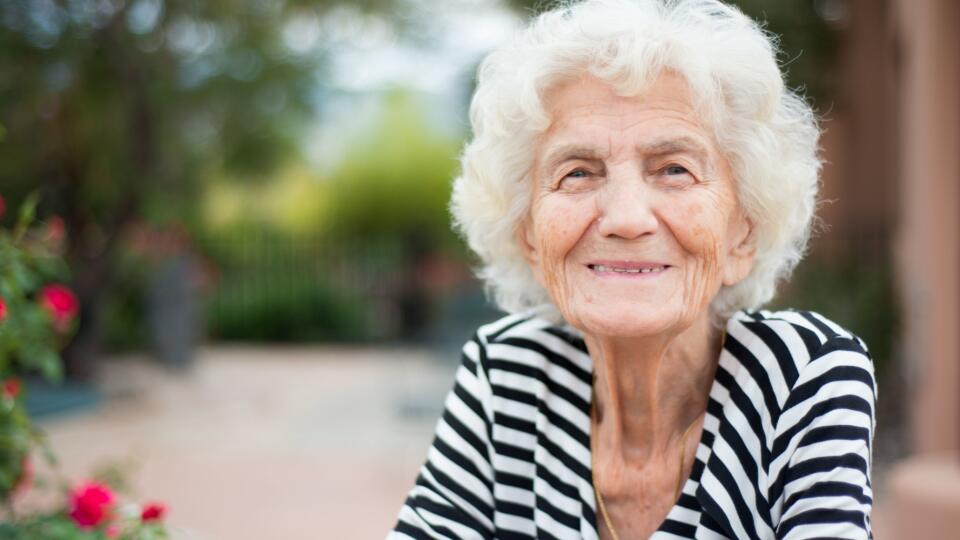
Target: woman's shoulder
column 536, row 326
column 793, row 333
column 533, row 339
column 798, row 350
column 815, row 329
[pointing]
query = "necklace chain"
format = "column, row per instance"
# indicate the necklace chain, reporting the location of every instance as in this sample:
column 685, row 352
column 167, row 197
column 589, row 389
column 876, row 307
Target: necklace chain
column 596, row 489
column 593, row 453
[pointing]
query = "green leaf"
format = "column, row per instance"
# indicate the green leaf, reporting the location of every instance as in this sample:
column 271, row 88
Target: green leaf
column 49, row 364
column 28, row 211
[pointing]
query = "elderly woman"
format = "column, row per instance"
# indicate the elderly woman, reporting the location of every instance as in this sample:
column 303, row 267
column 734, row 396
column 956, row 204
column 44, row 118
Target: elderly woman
column 638, row 183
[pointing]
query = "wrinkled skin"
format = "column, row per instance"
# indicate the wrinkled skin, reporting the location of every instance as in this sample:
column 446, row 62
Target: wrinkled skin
column 608, row 199
column 623, row 183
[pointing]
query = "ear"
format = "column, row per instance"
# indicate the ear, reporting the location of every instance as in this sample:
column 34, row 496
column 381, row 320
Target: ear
column 526, row 239
column 741, row 252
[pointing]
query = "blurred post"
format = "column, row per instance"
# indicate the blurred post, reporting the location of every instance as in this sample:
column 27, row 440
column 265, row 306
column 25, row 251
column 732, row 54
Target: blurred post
column 923, row 499
column 174, row 311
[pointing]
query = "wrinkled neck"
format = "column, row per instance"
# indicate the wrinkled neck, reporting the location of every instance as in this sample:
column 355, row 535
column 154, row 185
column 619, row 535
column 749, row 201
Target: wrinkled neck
column 648, row 390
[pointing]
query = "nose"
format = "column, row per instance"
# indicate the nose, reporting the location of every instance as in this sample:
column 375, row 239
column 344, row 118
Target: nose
column 625, row 207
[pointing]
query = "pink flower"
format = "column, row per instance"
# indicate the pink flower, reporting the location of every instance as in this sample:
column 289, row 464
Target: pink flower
column 11, row 388
column 90, row 504
column 55, row 229
column 61, row 304
column 3, row 309
column 3, row 206
column 112, row 531
column 153, row 512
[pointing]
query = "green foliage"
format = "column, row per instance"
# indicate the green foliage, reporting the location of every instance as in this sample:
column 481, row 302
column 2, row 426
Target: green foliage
column 57, row 526
column 30, row 339
column 28, row 342
column 16, row 439
column 313, row 258
column 124, row 326
column 106, row 100
column 116, row 109
column 274, row 287
column 394, row 185
column 294, row 203
column 273, row 306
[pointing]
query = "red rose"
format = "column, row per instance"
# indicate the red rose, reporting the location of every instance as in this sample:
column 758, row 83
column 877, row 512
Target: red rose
column 3, row 309
column 3, row 206
column 11, row 388
column 60, row 303
column 90, row 504
column 153, row 512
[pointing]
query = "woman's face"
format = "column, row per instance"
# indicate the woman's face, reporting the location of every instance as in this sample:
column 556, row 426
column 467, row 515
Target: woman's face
column 634, row 223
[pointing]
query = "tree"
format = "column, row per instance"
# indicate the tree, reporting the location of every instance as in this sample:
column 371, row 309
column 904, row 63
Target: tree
column 114, row 109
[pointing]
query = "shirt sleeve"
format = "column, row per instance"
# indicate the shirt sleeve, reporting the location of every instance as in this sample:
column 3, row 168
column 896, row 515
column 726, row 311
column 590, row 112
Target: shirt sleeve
column 453, row 493
column 826, row 429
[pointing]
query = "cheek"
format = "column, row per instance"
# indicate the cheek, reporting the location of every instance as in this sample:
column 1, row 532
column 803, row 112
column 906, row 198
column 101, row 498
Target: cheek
column 558, row 227
column 699, row 229
column 555, row 242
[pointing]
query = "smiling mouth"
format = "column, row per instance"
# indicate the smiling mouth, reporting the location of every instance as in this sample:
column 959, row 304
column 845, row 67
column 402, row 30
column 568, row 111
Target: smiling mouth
column 632, row 269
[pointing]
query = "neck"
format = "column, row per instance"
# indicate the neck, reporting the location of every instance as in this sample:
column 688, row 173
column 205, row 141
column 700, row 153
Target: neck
column 650, row 389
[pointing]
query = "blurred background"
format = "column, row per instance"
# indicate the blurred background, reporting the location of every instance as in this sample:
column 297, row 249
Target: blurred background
column 252, row 199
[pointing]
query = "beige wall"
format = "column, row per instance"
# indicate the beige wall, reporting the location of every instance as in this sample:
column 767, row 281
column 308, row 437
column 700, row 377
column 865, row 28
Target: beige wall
column 860, row 138
column 928, row 246
column 923, row 496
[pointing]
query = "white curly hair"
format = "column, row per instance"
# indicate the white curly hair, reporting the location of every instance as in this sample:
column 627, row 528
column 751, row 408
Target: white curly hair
column 768, row 133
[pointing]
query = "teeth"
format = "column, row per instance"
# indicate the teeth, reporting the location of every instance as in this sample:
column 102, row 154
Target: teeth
column 602, row 268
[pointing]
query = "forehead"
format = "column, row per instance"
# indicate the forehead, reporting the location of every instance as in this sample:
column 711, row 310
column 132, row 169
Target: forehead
column 586, row 107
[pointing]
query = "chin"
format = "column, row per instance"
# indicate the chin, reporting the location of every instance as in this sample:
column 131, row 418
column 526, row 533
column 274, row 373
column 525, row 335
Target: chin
column 624, row 322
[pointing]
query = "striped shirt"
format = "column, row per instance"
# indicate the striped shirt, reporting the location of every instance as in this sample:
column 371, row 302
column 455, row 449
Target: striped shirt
column 785, row 451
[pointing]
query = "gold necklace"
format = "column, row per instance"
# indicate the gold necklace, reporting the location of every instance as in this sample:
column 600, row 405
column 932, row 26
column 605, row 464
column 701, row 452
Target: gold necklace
column 593, row 462
column 593, row 453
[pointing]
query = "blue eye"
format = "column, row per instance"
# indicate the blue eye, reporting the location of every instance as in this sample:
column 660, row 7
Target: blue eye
column 577, row 173
column 675, row 169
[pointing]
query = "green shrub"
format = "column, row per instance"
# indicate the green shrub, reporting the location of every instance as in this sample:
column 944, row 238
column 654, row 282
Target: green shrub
column 274, row 307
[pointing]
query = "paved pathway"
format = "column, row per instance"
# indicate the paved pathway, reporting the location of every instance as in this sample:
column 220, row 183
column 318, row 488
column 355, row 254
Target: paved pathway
column 271, row 443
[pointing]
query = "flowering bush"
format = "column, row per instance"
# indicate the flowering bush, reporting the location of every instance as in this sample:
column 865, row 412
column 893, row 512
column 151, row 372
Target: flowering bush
column 61, row 305
column 91, row 504
column 37, row 314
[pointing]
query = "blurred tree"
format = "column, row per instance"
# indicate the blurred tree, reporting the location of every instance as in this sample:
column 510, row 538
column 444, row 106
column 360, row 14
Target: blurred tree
column 394, row 183
column 393, row 187
column 114, row 108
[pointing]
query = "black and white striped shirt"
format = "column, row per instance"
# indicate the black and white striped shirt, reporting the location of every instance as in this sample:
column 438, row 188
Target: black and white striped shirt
column 785, row 452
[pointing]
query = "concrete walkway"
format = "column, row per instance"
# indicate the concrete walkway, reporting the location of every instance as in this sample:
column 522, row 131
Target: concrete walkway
column 269, row 443
column 266, row 443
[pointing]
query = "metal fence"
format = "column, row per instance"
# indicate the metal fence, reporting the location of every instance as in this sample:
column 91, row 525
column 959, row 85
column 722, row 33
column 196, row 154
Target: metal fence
column 306, row 283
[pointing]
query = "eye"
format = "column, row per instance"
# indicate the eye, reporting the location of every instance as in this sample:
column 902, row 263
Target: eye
column 578, row 179
column 577, row 173
column 675, row 175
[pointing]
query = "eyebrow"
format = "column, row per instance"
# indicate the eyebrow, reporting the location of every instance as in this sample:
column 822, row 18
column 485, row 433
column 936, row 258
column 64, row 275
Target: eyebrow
column 570, row 151
column 677, row 145
column 657, row 148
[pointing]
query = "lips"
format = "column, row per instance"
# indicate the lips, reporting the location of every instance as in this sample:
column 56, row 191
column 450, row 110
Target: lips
column 627, row 267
